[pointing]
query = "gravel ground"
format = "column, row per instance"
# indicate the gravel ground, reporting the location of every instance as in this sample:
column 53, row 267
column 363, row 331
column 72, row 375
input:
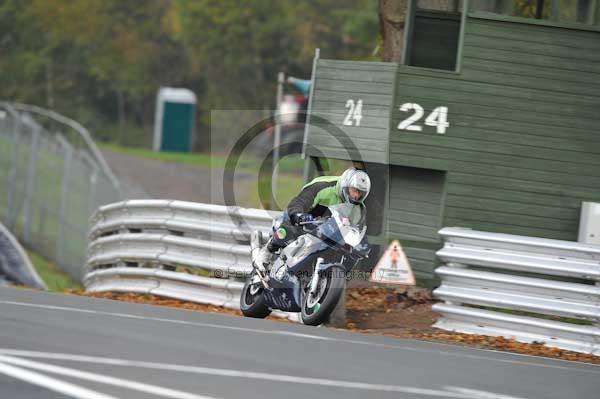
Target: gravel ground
column 146, row 178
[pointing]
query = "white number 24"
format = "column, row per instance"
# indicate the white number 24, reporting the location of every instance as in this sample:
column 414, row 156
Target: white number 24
column 355, row 112
column 438, row 118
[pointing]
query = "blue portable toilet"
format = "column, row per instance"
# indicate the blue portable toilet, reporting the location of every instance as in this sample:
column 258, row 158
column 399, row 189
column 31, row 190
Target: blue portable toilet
column 174, row 120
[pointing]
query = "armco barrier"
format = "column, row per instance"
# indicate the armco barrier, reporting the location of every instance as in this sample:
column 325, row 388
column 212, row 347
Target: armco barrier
column 219, row 292
column 141, row 246
column 532, row 289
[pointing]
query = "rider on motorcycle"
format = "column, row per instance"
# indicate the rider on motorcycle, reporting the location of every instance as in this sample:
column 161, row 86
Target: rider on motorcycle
column 352, row 187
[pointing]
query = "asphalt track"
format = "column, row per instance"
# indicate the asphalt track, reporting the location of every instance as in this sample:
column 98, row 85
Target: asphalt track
column 57, row 346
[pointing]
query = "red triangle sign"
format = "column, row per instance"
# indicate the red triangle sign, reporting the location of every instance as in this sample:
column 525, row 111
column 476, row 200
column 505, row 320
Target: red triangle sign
column 393, row 267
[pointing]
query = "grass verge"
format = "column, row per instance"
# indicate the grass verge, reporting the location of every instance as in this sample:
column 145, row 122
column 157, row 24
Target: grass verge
column 245, row 163
column 56, row 280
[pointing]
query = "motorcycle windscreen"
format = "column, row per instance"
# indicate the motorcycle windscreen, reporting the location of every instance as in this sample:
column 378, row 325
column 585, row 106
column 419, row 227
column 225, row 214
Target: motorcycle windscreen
column 349, row 214
column 330, row 233
column 346, row 226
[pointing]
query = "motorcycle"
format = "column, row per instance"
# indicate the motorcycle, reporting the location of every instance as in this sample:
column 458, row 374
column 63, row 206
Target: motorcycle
column 308, row 275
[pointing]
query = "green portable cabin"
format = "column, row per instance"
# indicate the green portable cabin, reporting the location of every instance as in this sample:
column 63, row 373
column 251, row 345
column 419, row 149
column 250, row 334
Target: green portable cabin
column 490, row 122
column 175, row 119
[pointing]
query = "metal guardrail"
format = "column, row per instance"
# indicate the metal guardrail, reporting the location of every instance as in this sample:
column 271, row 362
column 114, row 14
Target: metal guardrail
column 213, row 291
column 15, row 265
column 532, row 289
column 140, row 246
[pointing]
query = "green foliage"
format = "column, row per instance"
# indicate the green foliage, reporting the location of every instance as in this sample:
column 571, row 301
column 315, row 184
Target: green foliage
column 102, row 62
column 567, row 10
column 528, row 9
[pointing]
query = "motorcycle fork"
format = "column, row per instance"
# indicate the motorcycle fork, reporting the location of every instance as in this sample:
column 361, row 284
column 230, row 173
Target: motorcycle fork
column 263, row 278
column 314, row 281
column 255, row 245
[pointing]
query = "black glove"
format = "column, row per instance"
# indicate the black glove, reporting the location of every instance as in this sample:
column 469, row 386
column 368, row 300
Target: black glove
column 301, row 217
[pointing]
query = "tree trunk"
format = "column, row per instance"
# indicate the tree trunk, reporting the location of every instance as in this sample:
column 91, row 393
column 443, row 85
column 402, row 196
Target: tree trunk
column 392, row 19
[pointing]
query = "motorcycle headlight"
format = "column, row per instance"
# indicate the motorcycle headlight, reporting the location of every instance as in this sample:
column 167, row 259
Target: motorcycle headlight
column 281, row 272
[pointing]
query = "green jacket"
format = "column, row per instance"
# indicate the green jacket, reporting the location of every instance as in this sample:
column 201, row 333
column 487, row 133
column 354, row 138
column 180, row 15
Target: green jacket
column 316, row 196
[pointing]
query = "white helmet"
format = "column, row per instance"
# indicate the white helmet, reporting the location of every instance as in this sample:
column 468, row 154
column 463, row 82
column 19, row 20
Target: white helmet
column 359, row 181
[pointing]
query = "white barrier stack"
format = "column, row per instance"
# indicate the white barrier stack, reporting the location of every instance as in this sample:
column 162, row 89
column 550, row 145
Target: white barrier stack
column 520, row 287
column 136, row 246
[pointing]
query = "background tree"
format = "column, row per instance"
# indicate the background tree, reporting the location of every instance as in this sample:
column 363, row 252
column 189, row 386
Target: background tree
column 392, row 20
column 102, row 62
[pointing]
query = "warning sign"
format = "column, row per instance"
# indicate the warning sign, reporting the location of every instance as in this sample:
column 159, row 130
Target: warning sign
column 393, row 267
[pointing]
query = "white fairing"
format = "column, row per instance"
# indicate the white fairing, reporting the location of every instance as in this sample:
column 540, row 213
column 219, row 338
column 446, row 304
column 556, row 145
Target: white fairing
column 352, row 235
column 345, row 218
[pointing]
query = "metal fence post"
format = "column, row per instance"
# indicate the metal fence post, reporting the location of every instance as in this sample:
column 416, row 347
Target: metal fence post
column 64, row 195
column 277, row 138
column 93, row 191
column 29, row 191
column 12, row 179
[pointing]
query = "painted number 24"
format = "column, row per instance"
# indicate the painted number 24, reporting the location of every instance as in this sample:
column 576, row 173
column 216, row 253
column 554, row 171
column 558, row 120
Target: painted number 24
column 354, row 113
column 438, row 118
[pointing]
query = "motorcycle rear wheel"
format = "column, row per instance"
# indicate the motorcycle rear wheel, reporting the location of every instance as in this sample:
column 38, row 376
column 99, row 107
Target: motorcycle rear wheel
column 252, row 301
column 316, row 311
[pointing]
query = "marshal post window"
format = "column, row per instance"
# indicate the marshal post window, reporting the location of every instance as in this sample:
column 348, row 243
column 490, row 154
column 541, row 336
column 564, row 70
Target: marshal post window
column 570, row 11
column 433, row 35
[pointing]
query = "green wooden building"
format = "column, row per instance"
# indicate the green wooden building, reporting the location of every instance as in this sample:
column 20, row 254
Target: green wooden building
column 491, row 121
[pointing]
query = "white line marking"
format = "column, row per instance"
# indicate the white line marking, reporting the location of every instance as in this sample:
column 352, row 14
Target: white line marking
column 590, row 367
column 119, row 382
column 477, row 394
column 52, row 384
column 244, row 374
column 308, row 336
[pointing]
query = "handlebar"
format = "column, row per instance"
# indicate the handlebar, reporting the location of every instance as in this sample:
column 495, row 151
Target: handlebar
column 316, row 221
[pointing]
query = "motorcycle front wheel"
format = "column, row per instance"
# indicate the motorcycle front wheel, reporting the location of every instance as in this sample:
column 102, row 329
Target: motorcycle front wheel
column 317, row 308
column 252, row 301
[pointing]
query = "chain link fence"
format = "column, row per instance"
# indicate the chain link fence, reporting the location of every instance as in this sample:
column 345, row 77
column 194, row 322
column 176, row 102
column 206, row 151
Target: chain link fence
column 52, row 177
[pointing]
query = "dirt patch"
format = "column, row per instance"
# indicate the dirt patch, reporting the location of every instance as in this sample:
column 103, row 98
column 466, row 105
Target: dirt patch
column 396, row 311
column 401, row 322
column 161, row 301
column 401, row 313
